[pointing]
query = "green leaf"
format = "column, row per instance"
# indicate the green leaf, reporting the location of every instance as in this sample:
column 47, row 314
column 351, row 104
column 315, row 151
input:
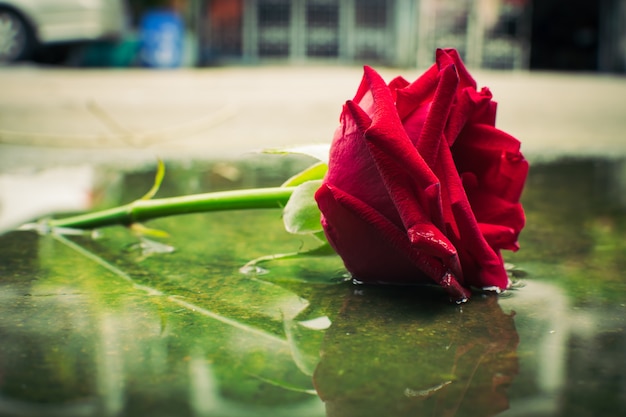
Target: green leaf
column 321, row 236
column 301, row 214
column 158, row 179
column 317, row 151
column 314, row 172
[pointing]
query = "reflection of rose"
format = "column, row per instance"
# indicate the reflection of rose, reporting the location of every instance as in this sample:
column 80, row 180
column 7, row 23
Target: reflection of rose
column 421, row 186
column 417, row 360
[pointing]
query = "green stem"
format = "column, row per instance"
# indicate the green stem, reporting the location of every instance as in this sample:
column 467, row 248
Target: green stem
column 142, row 210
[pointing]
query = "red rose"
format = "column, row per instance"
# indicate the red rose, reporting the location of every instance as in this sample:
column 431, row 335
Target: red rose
column 421, row 186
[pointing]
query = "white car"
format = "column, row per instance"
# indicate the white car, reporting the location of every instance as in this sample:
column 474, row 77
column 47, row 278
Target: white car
column 25, row 24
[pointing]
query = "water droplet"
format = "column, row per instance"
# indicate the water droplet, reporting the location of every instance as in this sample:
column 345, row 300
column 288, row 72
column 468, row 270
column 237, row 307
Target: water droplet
column 461, row 300
column 149, row 247
column 253, row 270
column 340, row 276
column 319, row 323
column 505, row 294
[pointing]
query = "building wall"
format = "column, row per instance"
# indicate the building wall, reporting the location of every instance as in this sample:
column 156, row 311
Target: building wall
column 487, row 33
column 298, row 30
column 494, row 34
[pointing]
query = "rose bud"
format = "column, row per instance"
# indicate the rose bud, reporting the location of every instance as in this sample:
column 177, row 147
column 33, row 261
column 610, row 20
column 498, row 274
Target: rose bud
column 422, row 188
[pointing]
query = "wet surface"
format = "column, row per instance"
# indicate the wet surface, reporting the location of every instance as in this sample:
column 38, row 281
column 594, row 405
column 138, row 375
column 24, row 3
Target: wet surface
column 109, row 324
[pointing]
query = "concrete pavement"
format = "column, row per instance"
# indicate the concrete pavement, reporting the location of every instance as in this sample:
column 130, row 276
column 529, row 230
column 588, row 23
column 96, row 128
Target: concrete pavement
column 77, row 114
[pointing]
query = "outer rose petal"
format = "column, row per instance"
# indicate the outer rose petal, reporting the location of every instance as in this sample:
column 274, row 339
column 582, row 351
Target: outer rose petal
column 476, row 255
column 376, row 251
column 401, row 168
column 494, row 157
column 411, row 185
column 351, row 167
column 491, row 209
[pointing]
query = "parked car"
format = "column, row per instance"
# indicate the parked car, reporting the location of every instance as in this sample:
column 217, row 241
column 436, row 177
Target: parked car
column 27, row 24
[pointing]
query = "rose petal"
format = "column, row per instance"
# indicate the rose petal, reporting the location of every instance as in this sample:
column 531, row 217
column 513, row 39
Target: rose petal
column 499, row 237
column 410, row 184
column 470, row 106
column 374, row 249
column 491, row 209
column 432, row 131
column 417, row 94
column 351, row 167
column 494, row 157
column 488, row 265
column 445, row 57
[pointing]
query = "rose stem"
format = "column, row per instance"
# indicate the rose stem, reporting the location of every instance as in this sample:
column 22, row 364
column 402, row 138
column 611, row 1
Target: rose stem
column 142, row 210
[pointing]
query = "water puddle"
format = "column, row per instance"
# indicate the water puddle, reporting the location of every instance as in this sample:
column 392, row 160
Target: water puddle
column 116, row 325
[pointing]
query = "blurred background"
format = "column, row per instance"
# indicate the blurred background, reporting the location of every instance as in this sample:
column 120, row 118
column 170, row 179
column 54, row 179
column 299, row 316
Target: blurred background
column 564, row 35
column 119, row 82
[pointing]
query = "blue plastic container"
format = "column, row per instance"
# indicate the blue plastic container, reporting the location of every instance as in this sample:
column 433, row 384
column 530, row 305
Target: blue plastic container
column 162, row 36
